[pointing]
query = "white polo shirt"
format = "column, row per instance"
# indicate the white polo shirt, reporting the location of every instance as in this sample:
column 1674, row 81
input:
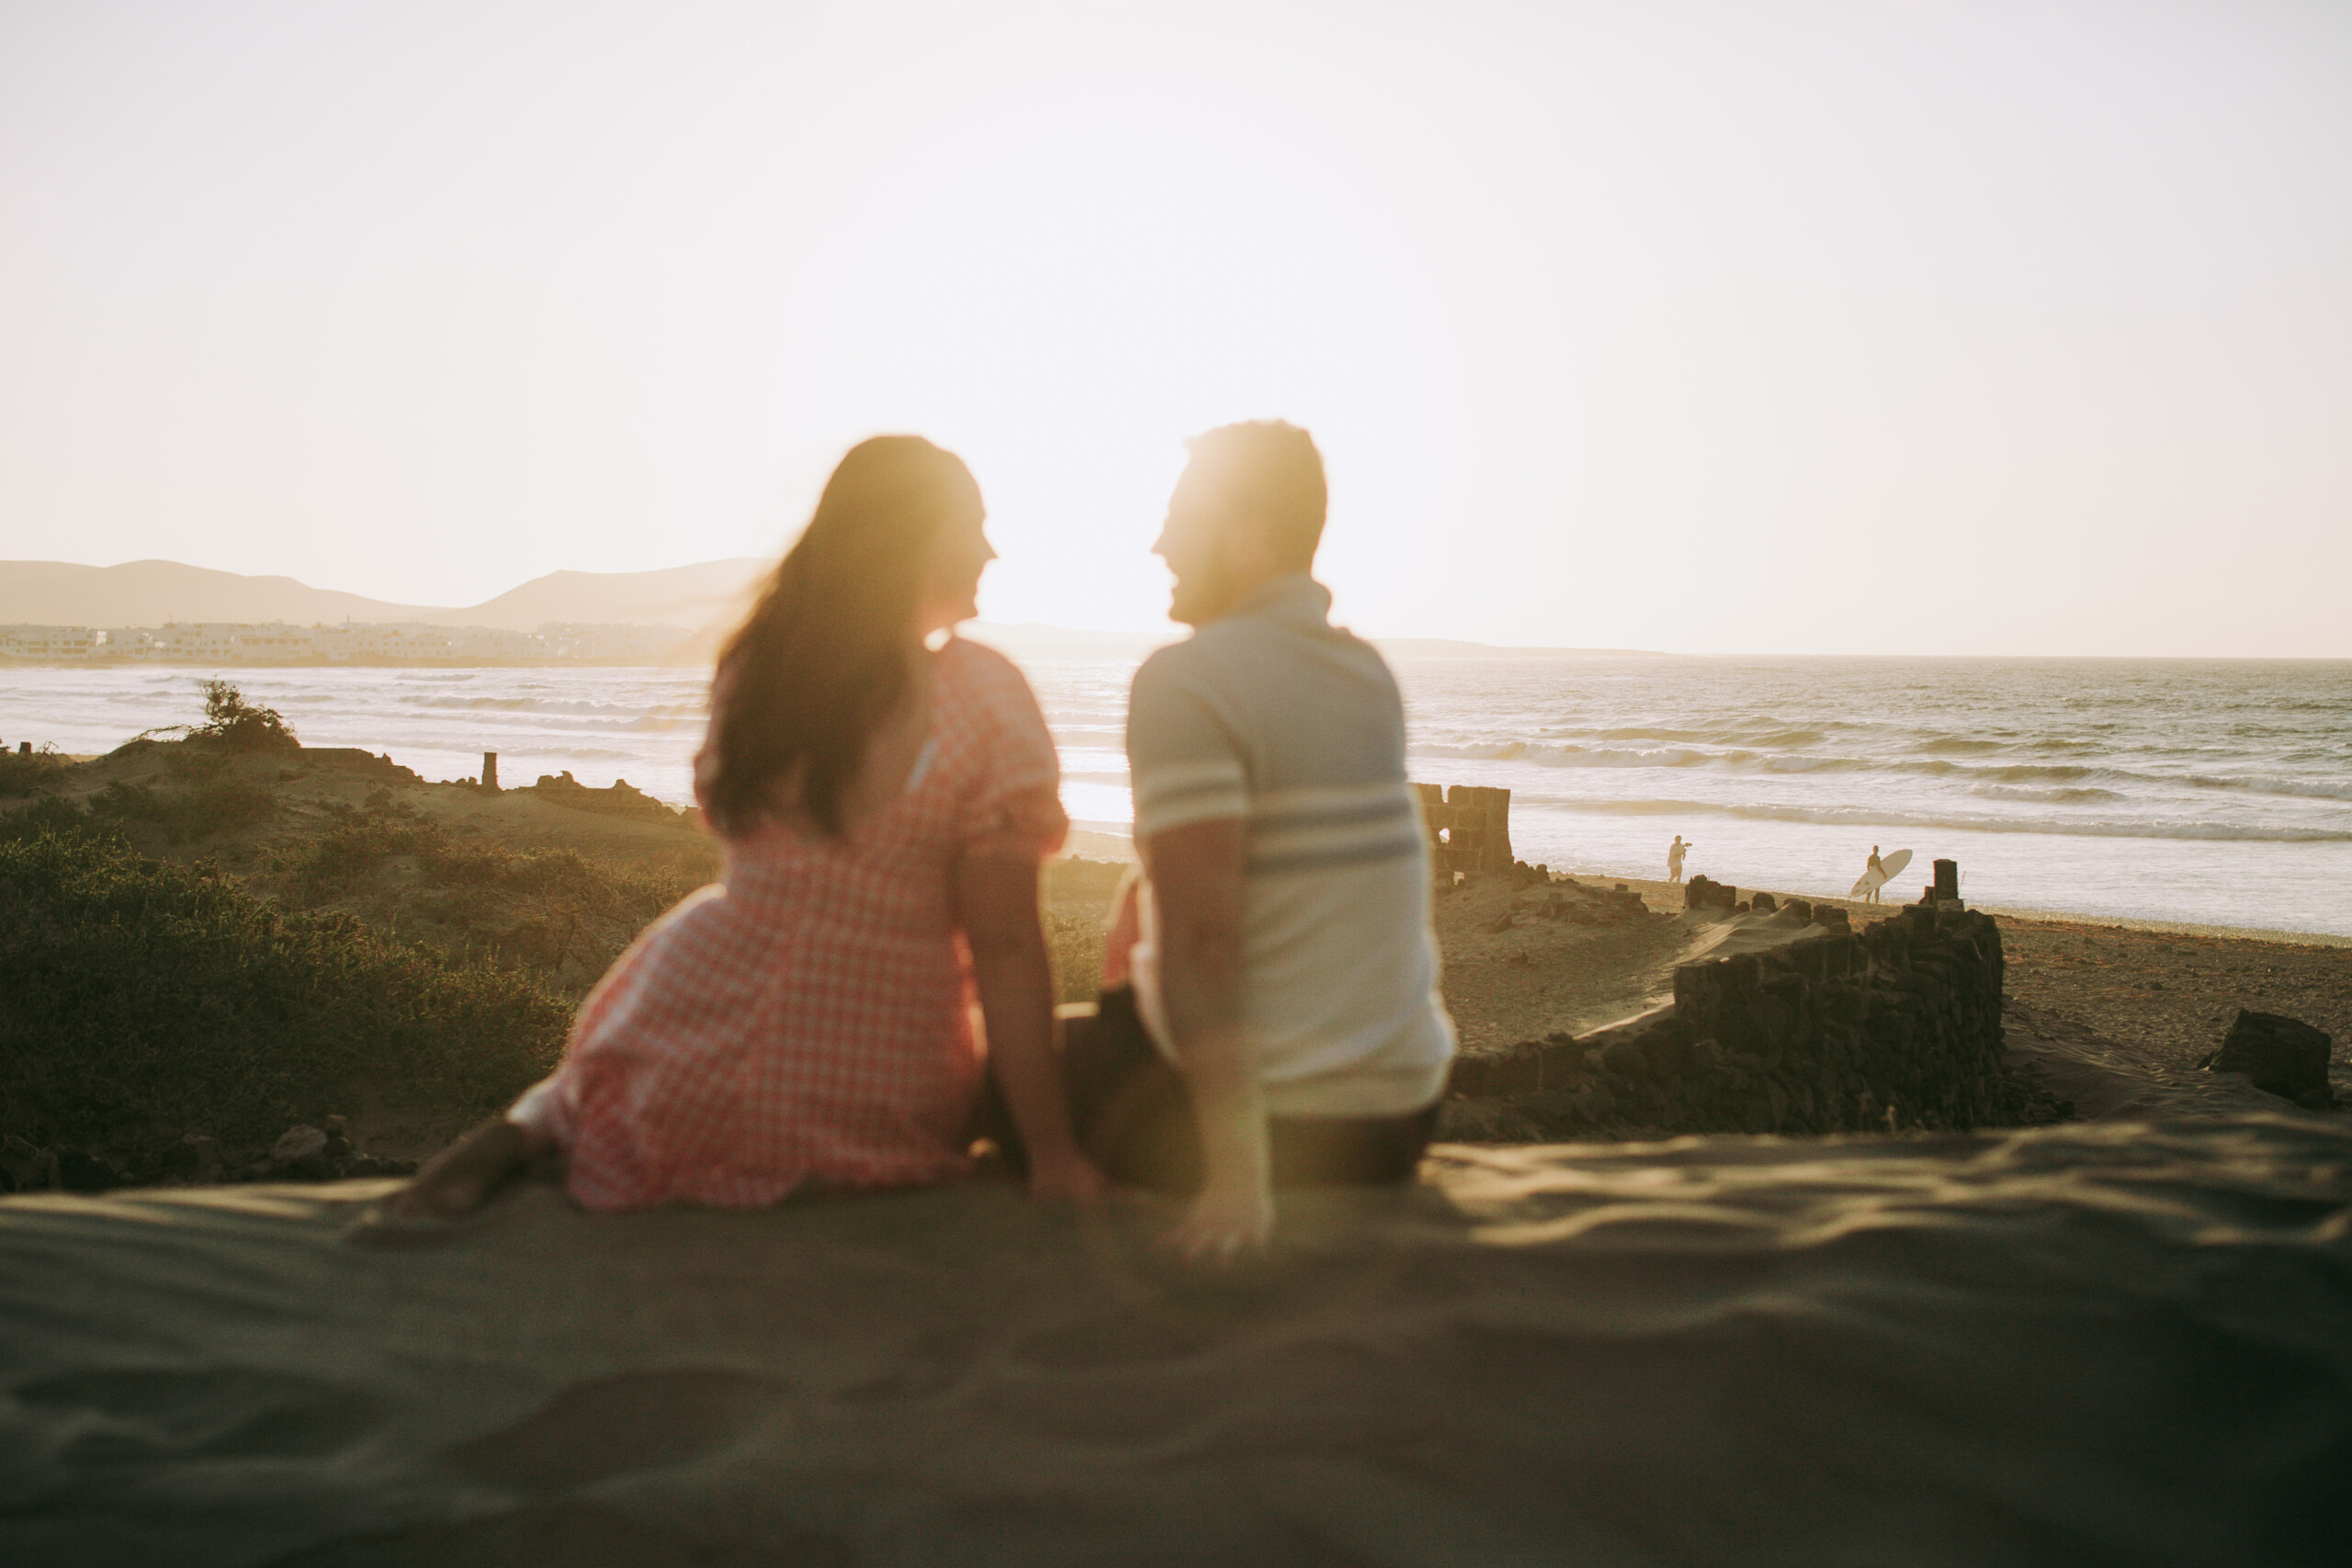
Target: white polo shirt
column 1274, row 716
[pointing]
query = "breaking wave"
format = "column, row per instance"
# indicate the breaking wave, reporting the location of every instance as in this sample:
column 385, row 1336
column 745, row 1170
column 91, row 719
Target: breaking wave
column 1882, row 816
column 2089, row 780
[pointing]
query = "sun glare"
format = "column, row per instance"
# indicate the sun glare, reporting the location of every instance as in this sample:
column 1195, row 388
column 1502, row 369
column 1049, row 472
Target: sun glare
column 1064, row 318
column 1716, row 331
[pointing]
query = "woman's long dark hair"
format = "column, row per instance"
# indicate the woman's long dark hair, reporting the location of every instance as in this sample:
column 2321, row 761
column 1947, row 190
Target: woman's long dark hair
column 822, row 660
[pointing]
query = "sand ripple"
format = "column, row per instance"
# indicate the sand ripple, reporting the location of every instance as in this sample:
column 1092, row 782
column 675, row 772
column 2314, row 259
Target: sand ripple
column 2120, row 1342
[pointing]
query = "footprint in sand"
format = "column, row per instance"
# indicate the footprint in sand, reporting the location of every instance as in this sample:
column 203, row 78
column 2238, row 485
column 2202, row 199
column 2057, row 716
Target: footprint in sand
column 134, row 1416
column 627, row 1422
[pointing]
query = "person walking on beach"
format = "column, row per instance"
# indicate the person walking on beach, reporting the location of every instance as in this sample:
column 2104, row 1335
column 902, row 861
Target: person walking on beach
column 1878, row 870
column 885, row 795
column 1271, row 1015
column 1674, row 852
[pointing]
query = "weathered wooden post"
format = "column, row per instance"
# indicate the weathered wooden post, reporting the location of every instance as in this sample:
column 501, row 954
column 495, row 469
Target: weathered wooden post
column 1947, row 880
column 490, row 772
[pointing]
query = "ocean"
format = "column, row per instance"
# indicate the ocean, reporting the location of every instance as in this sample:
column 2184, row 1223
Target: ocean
column 2202, row 791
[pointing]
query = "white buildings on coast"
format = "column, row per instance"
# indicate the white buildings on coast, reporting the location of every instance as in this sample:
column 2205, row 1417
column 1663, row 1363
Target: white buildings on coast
column 219, row 642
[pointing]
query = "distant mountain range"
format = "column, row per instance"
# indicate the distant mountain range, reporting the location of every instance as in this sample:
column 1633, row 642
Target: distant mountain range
column 150, row 592
column 703, row 598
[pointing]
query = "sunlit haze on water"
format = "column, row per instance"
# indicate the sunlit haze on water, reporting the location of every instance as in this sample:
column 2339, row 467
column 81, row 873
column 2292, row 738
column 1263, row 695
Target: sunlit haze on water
column 2197, row 792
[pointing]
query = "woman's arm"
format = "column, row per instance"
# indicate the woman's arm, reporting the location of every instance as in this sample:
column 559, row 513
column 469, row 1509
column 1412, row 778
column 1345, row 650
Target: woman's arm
column 461, row 1177
column 995, row 894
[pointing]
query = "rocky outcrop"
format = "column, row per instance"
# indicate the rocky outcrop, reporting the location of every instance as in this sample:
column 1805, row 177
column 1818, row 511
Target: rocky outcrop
column 2284, row 1057
column 623, row 800
column 1702, row 892
column 1899, row 1026
column 1582, row 904
column 352, row 760
column 300, row 1154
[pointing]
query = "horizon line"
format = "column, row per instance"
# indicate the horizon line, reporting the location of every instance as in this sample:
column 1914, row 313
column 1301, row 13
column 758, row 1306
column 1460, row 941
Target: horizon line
column 1175, row 630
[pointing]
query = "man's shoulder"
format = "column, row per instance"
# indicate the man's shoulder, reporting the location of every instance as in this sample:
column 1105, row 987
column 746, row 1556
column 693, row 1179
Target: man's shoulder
column 1253, row 674
column 1169, row 659
column 1250, row 642
column 1162, row 671
column 1200, row 663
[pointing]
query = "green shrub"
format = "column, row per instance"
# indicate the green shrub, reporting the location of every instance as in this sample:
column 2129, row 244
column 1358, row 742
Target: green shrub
column 144, row 998
column 26, row 773
column 330, row 862
column 230, row 721
column 241, row 725
column 1078, row 895
column 49, row 814
column 1074, row 945
column 216, row 805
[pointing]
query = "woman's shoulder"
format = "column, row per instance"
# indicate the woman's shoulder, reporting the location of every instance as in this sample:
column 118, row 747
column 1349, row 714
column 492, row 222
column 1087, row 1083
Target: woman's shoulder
column 977, row 661
column 984, row 696
column 983, row 675
column 1015, row 771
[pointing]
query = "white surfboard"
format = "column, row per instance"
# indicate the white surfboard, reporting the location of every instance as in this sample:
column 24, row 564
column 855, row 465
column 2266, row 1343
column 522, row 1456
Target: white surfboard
column 1889, row 868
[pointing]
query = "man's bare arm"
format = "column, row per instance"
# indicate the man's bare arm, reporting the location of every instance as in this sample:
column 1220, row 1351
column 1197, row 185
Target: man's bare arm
column 1196, row 881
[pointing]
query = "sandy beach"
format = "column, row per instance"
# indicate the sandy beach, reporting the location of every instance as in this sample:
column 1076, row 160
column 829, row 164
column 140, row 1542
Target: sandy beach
column 1461, row 460
column 2105, row 1342
column 2154, row 995
column 2121, row 1338
column 341, row 833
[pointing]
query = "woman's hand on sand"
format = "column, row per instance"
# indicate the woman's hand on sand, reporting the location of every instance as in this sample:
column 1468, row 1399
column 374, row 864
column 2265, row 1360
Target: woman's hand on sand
column 1225, row 1226
column 461, row 1177
column 1067, row 1179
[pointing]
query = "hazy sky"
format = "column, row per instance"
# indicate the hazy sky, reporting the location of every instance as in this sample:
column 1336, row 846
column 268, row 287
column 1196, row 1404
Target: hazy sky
column 1935, row 326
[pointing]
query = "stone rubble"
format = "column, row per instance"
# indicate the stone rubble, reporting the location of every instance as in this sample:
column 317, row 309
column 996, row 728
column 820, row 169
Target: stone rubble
column 301, row 1152
column 1898, row 1027
column 2282, row 1056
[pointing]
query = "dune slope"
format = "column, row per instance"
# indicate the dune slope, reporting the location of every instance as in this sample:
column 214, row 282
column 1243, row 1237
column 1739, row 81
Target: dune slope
column 2121, row 1343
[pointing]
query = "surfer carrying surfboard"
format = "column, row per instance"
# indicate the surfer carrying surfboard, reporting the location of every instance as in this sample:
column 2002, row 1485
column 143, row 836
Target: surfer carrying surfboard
column 1880, row 872
column 1674, row 852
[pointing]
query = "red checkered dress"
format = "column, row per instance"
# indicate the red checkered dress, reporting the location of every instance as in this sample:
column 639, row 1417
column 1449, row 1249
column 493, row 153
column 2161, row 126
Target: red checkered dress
column 808, row 1017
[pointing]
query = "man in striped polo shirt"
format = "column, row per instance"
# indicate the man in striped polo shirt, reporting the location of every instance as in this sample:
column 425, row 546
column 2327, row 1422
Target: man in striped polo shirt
column 1278, row 948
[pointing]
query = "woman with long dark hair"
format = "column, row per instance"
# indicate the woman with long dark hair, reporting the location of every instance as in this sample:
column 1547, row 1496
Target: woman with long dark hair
column 884, row 797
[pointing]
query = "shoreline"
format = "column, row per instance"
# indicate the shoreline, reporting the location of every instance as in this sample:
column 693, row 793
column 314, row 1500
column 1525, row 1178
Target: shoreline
column 1658, row 893
column 2226, row 860
column 2171, row 928
column 1097, row 841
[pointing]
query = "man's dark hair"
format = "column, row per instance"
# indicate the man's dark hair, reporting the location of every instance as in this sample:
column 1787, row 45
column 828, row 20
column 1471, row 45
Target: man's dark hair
column 1270, row 471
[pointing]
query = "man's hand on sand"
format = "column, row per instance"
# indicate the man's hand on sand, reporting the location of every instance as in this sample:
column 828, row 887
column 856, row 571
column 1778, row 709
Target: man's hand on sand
column 1071, row 1180
column 1223, row 1226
